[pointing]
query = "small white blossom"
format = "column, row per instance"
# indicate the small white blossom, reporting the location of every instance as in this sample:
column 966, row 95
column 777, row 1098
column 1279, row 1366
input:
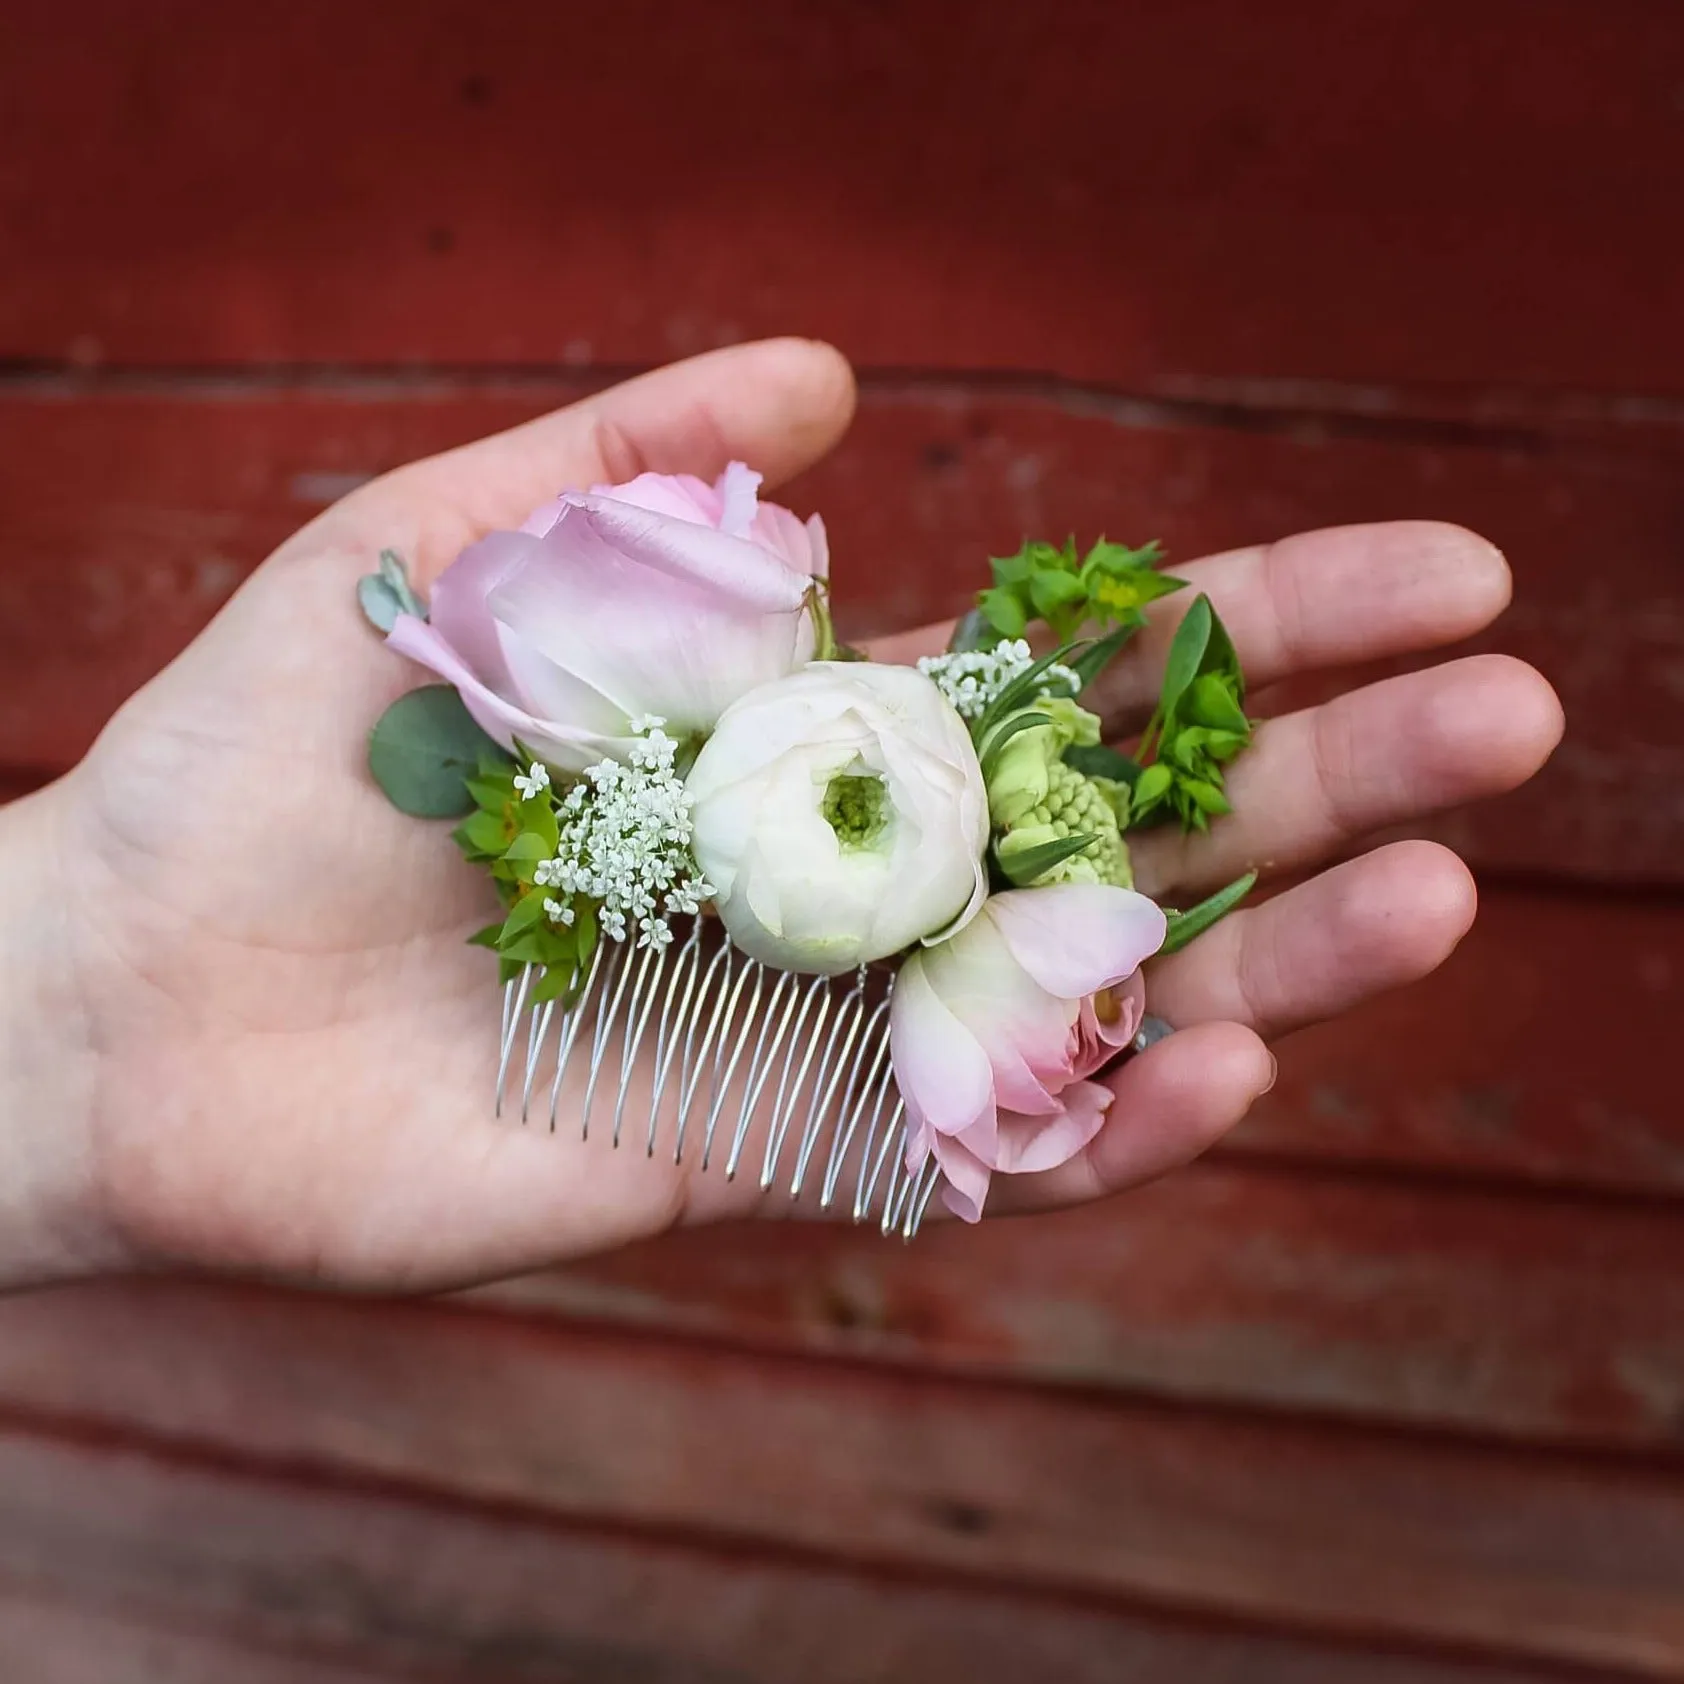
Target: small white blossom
column 625, row 842
column 533, row 782
column 558, row 911
column 972, row 680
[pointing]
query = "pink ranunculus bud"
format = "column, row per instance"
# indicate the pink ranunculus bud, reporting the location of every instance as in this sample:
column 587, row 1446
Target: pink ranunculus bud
column 995, row 1031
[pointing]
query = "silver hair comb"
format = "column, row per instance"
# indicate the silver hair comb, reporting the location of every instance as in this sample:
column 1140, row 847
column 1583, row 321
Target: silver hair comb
column 699, row 1040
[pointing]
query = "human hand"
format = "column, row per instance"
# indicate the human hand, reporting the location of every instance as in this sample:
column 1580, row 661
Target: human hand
column 270, row 1050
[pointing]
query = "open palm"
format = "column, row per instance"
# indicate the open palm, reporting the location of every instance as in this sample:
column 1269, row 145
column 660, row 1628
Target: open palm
column 293, row 1048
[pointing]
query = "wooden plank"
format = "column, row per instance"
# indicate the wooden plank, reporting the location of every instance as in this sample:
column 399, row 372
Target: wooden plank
column 55, row 1643
column 1447, row 191
column 370, row 1582
column 133, row 514
column 1538, row 1052
column 1539, row 1320
column 1368, row 1535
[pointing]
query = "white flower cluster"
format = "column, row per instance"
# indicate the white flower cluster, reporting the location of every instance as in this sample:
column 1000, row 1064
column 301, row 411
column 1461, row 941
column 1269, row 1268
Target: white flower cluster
column 972, row 680
column 625, row 841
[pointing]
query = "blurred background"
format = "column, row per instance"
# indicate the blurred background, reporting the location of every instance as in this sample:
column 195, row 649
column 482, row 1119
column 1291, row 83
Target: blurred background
column 1389, row 1389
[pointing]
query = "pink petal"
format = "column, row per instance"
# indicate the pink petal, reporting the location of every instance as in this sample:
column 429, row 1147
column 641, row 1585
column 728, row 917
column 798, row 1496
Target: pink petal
column 942, row 1073
column 657, row 615
column 1076, row 938
column 679, row 496
column 803, row 548
column 738, row 491
column 1099, row 1038
column 561, row 746
column 458, row 611
column 730, row 568
column 966, row 1179
column 1027, row 1144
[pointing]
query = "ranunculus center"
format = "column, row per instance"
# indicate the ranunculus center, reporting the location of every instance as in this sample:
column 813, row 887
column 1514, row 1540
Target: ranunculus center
column 856, row 807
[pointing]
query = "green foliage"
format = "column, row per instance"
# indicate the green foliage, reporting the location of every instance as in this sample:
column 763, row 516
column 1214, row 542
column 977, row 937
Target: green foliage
column 512, row 835
column 1023, row 866
column 422, row 751
column 1184, row 926
column 1199, row 725
column 1052, row 583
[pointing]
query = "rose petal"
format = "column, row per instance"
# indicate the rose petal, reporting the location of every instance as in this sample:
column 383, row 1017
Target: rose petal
column 658, row 615
column 680, row 496
column 738, row 491
column 731, row 569
column 458, row 610
column 561, row 746
column 1076, row 938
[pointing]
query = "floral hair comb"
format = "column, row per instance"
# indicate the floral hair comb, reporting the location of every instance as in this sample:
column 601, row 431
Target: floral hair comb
column 868, row 927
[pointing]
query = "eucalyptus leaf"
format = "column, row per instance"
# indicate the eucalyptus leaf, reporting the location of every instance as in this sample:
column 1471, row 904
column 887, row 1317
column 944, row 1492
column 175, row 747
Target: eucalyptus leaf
column 1031, row 864
column 381, row 605
column 1184, row 926
column 422, row 751
column 396, row 576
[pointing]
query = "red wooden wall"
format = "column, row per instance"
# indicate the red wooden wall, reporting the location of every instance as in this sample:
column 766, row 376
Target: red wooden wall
column 1392, row 1388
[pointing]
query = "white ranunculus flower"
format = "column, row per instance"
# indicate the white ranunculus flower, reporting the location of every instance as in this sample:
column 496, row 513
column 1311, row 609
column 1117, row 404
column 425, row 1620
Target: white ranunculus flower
column 840, row 816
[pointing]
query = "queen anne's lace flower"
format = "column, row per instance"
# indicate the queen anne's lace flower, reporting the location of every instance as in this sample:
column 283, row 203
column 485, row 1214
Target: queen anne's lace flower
column 972, row 680
column 626, row 843
column 534, row 781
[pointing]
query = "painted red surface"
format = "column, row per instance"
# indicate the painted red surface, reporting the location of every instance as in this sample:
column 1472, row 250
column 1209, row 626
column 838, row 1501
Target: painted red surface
column 1392, row 1388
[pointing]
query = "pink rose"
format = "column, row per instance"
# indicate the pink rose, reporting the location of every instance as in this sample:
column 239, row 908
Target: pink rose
column 663, row 596
column 994, row 1031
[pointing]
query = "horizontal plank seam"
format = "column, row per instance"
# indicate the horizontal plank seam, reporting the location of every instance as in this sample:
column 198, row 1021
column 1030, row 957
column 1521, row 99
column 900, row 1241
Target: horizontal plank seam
column 291, row 1475
column 1541, row 434
column 555, row 1329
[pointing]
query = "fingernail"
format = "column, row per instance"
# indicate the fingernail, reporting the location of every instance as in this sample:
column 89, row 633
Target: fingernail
column 1274, row 1072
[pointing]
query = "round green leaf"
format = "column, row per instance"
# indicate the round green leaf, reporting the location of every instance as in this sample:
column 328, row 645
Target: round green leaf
column 424, row 749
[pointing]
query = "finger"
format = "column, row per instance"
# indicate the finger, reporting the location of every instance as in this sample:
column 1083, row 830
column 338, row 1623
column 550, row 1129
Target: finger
column 1315, row 781
column 1324, row 946
column 1172, row 1102
column 1320, row 599
column 778, row 404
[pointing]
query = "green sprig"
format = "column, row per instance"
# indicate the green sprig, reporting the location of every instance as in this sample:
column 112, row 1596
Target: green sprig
column 1052, row 583
column 1199, row 725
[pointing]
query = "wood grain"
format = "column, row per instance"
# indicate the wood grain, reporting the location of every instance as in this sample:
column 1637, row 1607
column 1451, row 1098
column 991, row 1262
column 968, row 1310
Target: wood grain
column 51, row 1642
column 131, row 515
column 144, row 1559
column 1367, row 1535
column 1157, row 196
column 1547, row 1321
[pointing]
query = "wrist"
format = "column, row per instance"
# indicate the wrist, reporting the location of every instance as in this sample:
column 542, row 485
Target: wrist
column 50, row 1228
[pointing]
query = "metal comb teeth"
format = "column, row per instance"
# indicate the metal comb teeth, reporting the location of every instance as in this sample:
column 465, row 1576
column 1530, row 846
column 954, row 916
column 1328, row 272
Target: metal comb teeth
column 701, row 1047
